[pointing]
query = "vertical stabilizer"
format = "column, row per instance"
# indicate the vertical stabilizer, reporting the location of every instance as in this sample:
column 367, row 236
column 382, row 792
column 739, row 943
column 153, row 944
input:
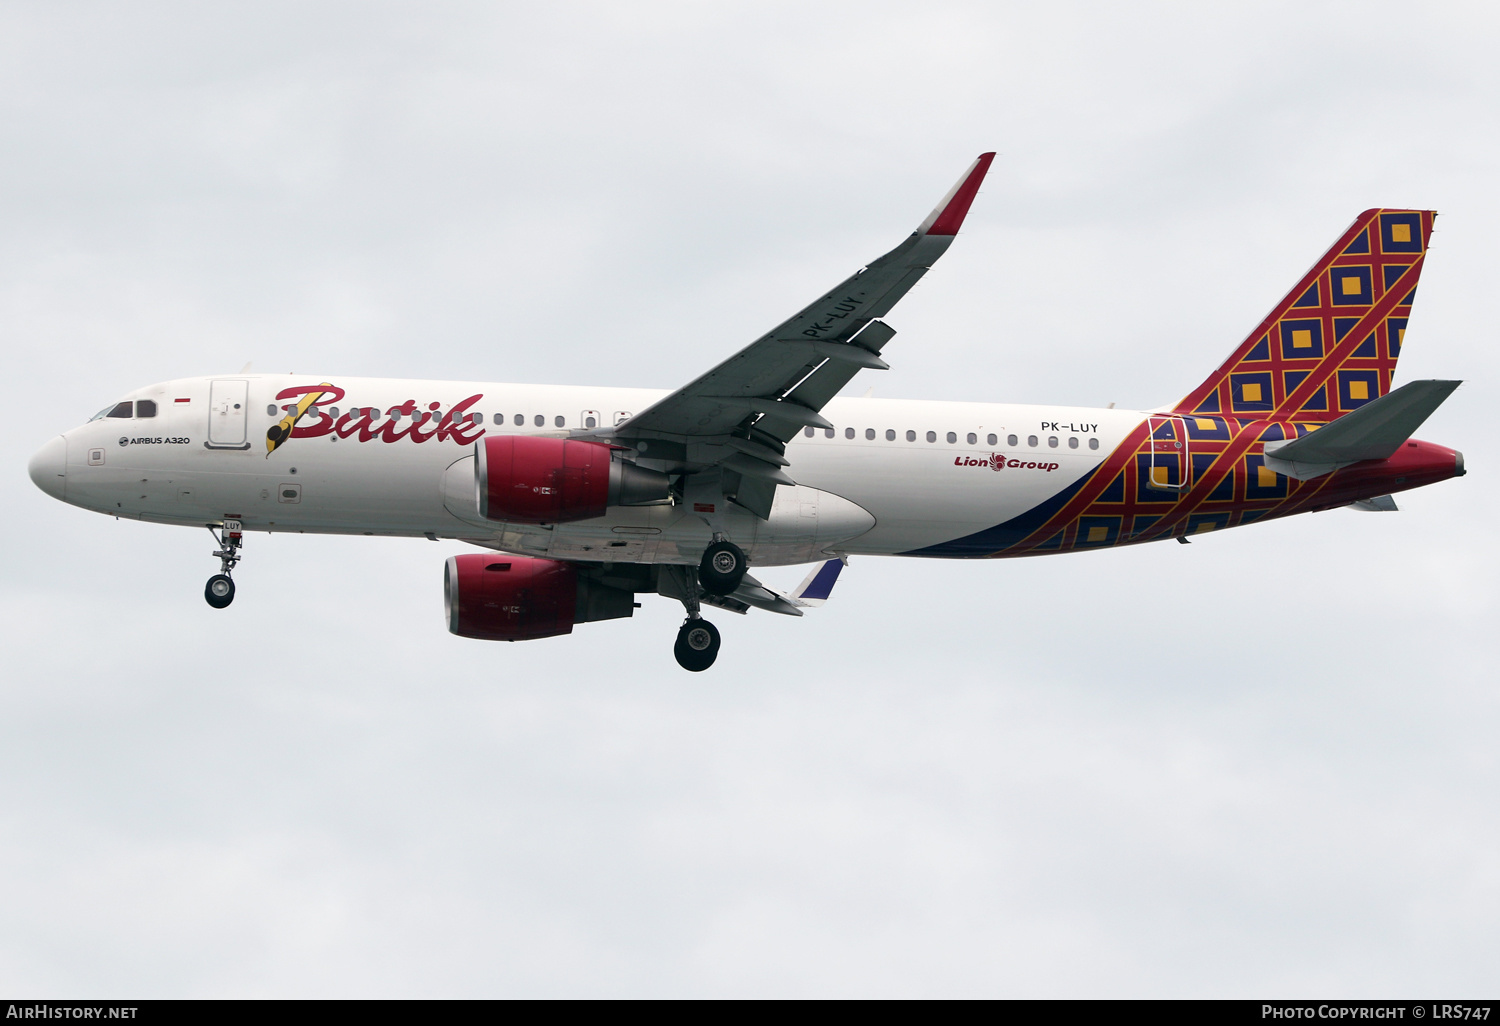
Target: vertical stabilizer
column 1331, row 345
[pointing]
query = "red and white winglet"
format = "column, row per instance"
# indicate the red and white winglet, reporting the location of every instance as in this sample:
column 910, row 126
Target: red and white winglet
column 949, row 214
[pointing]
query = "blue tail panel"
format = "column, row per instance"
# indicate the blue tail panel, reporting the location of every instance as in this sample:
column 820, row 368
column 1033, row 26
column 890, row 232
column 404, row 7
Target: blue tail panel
column 992, row 539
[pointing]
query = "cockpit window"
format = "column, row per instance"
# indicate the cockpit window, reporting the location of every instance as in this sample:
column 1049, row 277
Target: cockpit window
column 145, row 408
column 120, row 410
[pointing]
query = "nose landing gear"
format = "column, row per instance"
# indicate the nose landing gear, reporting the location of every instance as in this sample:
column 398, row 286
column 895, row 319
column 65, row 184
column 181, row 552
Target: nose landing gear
column 219, row 591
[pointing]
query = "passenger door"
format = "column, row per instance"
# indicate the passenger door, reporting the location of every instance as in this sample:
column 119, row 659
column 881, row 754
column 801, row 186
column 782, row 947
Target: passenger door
column 227, row 414
column 1169, row 466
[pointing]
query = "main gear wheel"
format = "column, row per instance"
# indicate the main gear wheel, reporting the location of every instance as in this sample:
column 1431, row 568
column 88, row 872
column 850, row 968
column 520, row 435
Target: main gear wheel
column 722, row 568
column 697, row 645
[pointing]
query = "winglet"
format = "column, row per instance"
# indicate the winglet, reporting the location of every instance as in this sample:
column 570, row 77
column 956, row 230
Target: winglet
column 949, row 214
column 818, row 585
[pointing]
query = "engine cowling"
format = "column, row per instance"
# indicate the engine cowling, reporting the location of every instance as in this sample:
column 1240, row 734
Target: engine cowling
column 531, row 480
column 518, row 598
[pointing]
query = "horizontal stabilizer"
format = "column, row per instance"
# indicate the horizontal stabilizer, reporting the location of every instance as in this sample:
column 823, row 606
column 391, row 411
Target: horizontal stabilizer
column 1376, row 504
column 1372, row 432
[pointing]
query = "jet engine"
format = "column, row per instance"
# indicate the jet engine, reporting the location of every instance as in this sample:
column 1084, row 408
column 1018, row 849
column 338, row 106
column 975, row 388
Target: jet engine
column 530, row 480
column 517, row 598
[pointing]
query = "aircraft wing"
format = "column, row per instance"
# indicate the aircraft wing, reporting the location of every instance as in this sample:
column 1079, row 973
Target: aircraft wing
column 740, row 415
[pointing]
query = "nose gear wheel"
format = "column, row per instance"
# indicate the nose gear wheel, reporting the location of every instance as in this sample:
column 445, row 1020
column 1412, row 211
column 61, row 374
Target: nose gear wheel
column 219, row 591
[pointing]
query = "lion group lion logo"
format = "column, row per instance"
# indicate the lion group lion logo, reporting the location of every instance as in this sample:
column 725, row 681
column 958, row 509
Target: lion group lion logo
column 997, row 461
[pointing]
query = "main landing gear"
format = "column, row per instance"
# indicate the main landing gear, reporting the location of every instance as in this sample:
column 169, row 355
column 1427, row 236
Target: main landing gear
column 697, row 640
column 697, row 644
column 723, row 567
column 719, row 573
column 219, row 591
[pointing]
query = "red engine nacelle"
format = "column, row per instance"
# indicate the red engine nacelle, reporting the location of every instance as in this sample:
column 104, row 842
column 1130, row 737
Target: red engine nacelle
column 517, row 598
column 533, row 480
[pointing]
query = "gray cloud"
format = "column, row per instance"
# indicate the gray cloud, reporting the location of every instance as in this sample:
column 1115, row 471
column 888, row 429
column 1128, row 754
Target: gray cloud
column 1261, row 764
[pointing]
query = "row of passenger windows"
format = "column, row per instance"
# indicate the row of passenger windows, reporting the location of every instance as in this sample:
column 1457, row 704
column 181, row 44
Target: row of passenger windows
column 147, row 408
column 972, row 438
column 589, row 419
column 139, row 408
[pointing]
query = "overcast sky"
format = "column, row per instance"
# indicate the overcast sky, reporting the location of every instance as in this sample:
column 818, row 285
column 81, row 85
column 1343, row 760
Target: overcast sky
column 1262, row 764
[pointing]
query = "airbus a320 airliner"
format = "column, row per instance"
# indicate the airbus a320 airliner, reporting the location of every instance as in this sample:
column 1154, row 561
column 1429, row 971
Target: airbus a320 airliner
column 585, row 497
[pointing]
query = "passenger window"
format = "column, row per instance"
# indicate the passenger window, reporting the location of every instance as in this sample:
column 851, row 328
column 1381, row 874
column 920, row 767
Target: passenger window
column 1093, row 443
column 1013, row 440
column 890, row 434
column 145, row 408
column 974, row 438
column 271, row 410
column 807, row 431
column 848, row 432
column 1072, row 443
column 828, row 432
column 1031, row 441
column 476, row 418
column 541, row 421
column 589, row 422
column 520, row 420
column 992, row 440
column 1052, row 441
column 952, row 438
column 932, row 436
column 120, row 410
column 911, row 436
column 560, row 421
column 374, row 412
column 870, row 433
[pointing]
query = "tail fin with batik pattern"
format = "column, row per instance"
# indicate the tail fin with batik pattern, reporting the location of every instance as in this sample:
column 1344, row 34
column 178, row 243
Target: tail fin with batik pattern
column 1331, row 345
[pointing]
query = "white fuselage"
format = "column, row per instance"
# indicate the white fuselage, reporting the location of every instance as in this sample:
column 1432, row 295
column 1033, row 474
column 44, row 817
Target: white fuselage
column 888, row 489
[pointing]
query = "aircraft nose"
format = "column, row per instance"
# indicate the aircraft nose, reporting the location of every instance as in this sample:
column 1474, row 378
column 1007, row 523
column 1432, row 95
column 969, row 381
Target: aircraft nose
column 49, row 467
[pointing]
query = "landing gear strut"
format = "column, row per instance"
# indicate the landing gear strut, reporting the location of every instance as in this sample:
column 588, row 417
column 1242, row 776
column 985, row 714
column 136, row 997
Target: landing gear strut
column 697, row 644
column 697, row 640
column 219, row 591
column 722, row 567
